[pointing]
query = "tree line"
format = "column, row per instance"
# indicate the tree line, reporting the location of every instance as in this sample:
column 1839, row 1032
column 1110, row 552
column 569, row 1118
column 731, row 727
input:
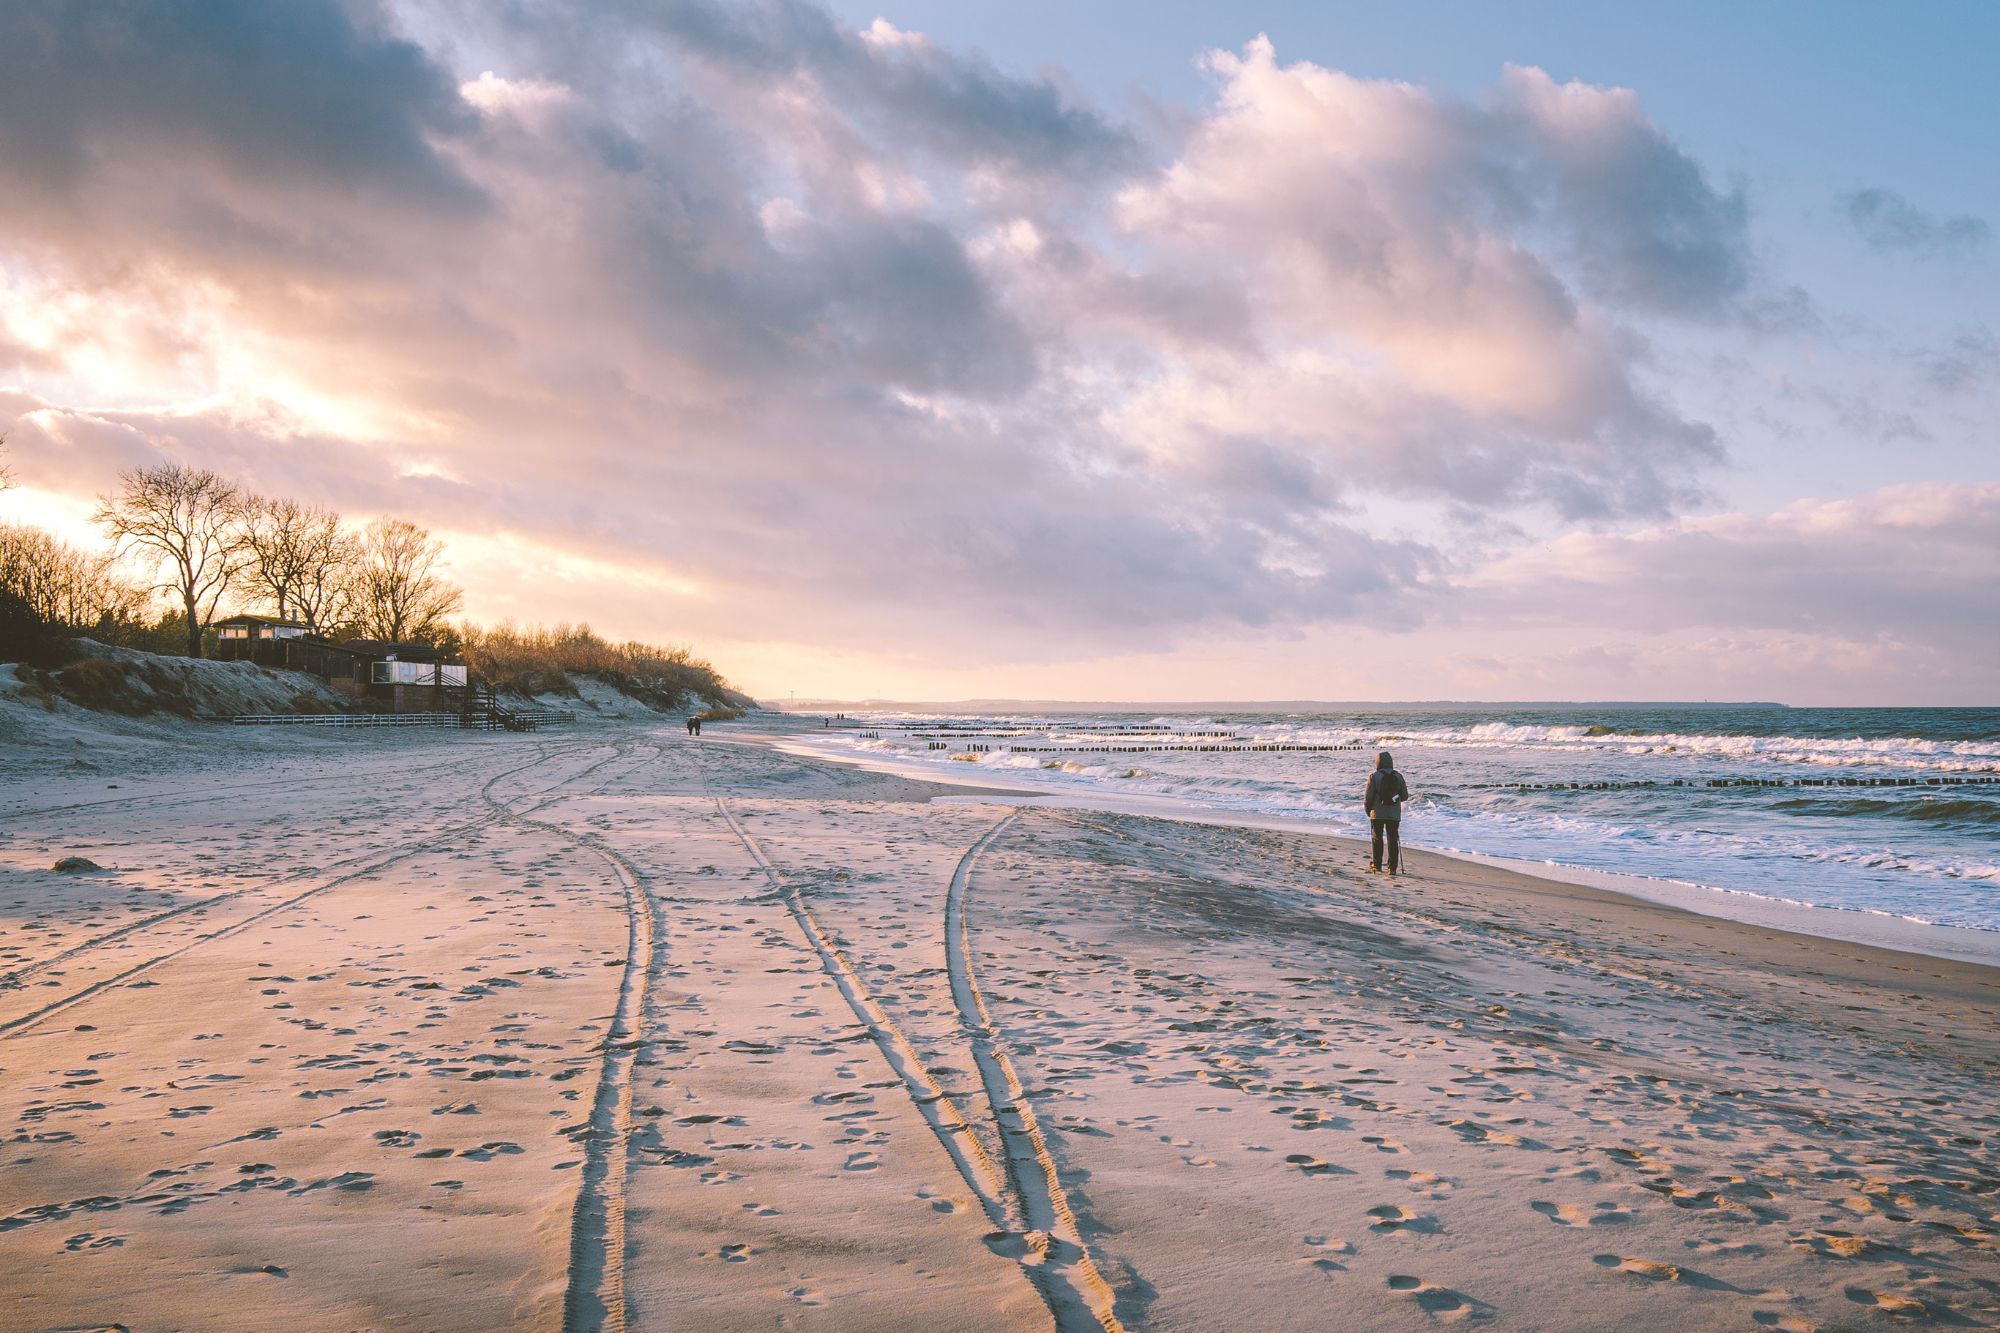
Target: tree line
column 193, row 537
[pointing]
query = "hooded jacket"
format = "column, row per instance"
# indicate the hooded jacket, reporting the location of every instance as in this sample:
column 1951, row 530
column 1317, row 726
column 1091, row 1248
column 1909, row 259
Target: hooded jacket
column 1385, row 794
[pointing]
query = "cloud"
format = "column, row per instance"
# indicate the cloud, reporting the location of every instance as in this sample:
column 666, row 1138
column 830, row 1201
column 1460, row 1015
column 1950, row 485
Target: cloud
column 291, row 98
column 1971, row 359
column 900, row 85
column 838, row 335
column 1892, row 224
column 1640, row 216
column 1410, row 325
column 1891, row 571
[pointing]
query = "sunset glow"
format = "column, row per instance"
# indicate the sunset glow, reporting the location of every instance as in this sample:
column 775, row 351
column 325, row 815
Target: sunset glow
column 877, row 356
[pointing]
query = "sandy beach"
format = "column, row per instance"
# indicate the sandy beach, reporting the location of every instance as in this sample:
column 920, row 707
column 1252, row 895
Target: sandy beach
column 609, row 1027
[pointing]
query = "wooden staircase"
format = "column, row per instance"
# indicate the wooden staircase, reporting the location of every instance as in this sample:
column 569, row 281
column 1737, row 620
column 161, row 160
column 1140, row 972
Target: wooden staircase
column 483, row 711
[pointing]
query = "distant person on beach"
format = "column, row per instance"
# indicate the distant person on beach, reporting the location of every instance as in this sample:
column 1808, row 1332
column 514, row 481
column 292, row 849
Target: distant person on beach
column 1383, row 800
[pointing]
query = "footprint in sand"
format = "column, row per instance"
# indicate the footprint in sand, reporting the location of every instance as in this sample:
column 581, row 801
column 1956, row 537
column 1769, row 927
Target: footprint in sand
column 806, row 1296
column 1313, row 1166
column 1383, row 1145
column 1476, row 1133
column 1643, row 1268
column 1429, row 1183
column 1784, row 1322
column 486, row 1152
column 346, row 1180
column 1439, row 1302
column 1971, row 1236
column 1393, row 1217
column 1562, row 1214
column 1313, row 1119
column 90, row 1240
column 861, row 1161
column 1840, row 1245
column 1887, row 1301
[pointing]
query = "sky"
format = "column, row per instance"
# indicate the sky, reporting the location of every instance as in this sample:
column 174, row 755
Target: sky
column 1115, row 351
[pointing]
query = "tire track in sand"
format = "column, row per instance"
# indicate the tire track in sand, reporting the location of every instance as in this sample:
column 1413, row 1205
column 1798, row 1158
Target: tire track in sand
column 975, row 1167
column 229, row 791
column 594, row 1297
column 1058, row 1259
column 1032, row 1219
column 12, row 978
column 18, row 1026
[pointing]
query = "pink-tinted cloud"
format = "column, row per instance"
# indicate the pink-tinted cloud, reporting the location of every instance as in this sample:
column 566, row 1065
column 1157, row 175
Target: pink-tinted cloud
column 1904, row 570
column 842, row 337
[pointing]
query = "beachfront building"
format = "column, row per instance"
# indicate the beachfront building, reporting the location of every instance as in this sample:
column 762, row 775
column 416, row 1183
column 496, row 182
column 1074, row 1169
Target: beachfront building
column 393, row 677
column 259, row 639
column 387, row 677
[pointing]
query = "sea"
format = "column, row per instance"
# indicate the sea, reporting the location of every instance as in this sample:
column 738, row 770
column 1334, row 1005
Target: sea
column 1893, row 812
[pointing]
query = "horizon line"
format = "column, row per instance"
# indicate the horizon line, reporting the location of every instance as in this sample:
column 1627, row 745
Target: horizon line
column 1240, row 705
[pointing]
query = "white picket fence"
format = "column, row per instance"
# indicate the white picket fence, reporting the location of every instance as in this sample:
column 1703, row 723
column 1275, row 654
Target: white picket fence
column 346, row 720
column 538, row 716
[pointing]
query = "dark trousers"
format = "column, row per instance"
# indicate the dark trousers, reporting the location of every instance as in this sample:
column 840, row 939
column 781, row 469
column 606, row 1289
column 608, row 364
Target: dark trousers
column 1394, row 828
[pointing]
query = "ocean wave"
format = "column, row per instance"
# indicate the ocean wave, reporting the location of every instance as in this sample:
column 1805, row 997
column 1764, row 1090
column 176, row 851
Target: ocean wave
column 1914, row 752
column 1977, row 753
column 1926, row 809
column 1574, row 791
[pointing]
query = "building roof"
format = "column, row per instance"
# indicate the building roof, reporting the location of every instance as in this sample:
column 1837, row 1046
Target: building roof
column 262, row 620
column 402, row 652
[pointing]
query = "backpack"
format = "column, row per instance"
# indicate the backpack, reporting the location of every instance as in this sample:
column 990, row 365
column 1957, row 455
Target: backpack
column 1386, row 793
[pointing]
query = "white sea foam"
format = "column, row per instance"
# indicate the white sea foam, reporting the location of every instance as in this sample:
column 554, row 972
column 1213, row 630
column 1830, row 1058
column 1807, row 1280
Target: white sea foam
column 1501, row 787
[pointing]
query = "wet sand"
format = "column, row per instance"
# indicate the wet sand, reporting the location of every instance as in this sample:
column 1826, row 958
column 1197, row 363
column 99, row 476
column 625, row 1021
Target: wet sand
column 614, row 1028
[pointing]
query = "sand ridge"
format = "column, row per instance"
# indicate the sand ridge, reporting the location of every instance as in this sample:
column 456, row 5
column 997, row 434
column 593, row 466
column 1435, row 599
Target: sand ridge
column 613, row 1028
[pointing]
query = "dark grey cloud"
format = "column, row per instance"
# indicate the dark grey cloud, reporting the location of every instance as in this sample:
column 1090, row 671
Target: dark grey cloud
column 1890, row 223
column 300, row 92
column 953, row 104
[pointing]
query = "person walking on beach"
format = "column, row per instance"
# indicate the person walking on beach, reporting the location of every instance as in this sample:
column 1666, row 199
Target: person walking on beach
column 1383, row 800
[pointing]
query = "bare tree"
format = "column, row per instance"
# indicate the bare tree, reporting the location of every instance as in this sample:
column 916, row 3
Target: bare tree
column 398, row 592
column 184, row 519
column 64, row 586
column 323, row 596
column 298, row 556
column 6, row 473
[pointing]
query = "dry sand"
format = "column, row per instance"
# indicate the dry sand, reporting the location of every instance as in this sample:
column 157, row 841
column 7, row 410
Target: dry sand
column 614, row 1028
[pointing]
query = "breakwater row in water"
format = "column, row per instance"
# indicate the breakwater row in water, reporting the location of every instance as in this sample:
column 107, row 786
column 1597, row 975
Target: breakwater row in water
column 1148, row 749
column 1884, row 810
column 1644, row 783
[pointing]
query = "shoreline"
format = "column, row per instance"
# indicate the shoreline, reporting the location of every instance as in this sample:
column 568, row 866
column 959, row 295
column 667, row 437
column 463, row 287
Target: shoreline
column 610, row 1024
column 1960, row 944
